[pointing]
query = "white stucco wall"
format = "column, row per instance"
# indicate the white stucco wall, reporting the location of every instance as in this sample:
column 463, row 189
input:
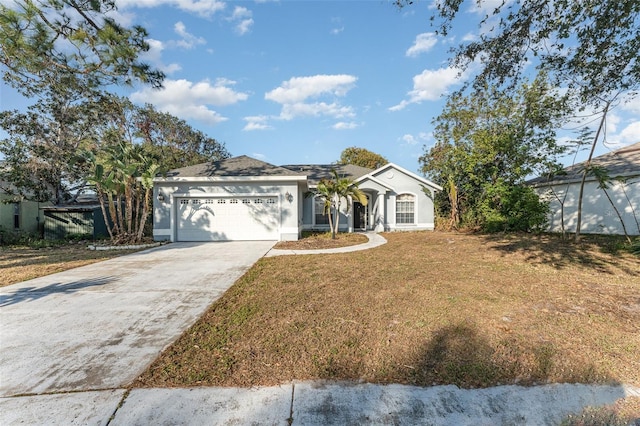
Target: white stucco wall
column 163, row 218
column 598, row 214
column 403, row 183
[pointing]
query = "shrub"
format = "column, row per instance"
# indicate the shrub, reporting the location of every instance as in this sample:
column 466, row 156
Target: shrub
column 512, row 208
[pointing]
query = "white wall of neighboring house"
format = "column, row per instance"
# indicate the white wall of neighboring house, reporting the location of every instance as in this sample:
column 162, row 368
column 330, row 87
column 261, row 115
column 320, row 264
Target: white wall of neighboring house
column 599, row 215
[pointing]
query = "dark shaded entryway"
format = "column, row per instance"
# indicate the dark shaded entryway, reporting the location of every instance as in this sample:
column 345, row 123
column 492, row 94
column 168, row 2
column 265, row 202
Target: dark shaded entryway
column 359, row 216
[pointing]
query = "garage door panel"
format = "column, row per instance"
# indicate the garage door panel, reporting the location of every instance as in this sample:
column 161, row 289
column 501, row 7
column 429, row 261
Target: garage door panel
column 217, row 219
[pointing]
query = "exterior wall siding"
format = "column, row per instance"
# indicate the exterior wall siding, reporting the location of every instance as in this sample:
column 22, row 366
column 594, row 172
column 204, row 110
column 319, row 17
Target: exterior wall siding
column 31, row 217
column 598, row 214
column 170, row 191
column 405, row 184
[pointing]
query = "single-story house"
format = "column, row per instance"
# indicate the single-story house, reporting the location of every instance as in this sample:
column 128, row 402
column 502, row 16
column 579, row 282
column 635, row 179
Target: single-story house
column 603, row 212
column 243, row 198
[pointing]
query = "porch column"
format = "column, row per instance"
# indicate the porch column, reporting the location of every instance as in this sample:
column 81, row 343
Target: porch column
column 379, row 213
column 350, row 214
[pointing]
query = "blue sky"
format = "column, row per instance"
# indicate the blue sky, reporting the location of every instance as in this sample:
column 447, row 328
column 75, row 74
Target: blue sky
column 298, row 81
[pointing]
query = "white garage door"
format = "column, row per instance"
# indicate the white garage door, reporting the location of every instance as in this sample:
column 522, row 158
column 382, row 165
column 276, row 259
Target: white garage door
column 222, row 219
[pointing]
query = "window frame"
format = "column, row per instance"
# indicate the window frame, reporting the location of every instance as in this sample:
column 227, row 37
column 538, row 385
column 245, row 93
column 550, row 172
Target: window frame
column 403, row 215
column 16, row 215
column 324, row 217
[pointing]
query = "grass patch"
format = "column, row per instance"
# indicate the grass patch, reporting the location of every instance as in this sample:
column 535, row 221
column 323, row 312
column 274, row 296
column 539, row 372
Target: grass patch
column 20, row 263
column 427, row 308
column 625, row 412
column 313, row 240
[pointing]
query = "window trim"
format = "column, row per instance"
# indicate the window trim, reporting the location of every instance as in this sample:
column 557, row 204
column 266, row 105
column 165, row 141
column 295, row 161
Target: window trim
column 316, row 200
column 414, row 212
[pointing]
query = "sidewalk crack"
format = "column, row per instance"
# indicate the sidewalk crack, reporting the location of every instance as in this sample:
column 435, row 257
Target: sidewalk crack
column 293, row 391
column 120, row 404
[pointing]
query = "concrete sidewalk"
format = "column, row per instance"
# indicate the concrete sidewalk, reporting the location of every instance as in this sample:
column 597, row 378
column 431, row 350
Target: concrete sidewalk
column 313, row 403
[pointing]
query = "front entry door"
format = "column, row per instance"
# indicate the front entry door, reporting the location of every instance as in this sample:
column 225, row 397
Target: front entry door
column 359, row 216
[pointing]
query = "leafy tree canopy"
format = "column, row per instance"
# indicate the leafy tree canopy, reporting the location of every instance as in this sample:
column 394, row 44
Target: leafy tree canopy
column 362, row 157
column 40, row 40
column 590, row 46
column 487, row 143
column 46, row 150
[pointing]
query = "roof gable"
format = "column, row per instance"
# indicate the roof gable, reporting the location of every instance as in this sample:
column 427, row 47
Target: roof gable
column 622, row 162
column 406, row 172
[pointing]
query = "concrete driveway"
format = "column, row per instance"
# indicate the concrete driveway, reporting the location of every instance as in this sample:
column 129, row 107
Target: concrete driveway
column 99, row 326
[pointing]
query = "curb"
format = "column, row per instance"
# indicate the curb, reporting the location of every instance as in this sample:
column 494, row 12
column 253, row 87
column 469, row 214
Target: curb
column 125, row 247
column 375, row 240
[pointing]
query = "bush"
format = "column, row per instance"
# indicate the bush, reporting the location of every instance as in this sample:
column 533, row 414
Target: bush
column 512, row 208
column 19, row 238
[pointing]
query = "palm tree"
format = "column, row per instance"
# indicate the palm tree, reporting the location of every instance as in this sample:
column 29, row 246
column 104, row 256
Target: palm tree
column 333, row 191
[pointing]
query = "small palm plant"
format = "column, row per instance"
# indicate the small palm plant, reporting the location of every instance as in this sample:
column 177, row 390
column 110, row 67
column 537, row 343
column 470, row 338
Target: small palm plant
column 333, row 191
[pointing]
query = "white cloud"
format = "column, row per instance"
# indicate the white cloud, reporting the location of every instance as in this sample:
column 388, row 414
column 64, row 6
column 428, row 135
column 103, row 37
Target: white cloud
column 188, row 40
column 300, row 109
column 409, row 139
column 258, row 122
column 630, row 134
column 469, row 37
column 343, row 125
column 430, row 85
column 423, row 43
column 487, row 7
column 242, row 18
column 414, row 140
column 337, row 26
column 294, row 94
column 126, row 19
column 632, row 104
column 154, row 57
column 205, row 8
column 298, row 89
column 189, row 100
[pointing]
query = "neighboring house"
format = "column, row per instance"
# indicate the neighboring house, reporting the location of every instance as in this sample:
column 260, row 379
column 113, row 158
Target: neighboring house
column 18, row 214
column 242, row 198
column 598, row 213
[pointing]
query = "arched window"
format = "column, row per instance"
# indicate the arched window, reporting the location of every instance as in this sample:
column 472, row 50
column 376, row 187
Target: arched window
column 405, row 209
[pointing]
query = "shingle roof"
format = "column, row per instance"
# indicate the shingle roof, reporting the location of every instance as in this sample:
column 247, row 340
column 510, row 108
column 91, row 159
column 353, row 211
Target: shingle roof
column 315, row 172
column 246, row 166
column 232, row 167
column 622, row 162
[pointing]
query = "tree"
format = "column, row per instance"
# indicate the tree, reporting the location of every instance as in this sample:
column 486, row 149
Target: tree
column 362, row 157
column 40, row 41
column 487, row 143
column 123, row 179
column 42, row 141
column 174, row 142
column 45, row 153
column 588, row 47
column 333, row 191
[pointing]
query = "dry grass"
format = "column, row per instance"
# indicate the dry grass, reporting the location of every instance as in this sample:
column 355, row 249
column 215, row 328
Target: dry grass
column 322, row 240
column 23, row 263
column 424, row 309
